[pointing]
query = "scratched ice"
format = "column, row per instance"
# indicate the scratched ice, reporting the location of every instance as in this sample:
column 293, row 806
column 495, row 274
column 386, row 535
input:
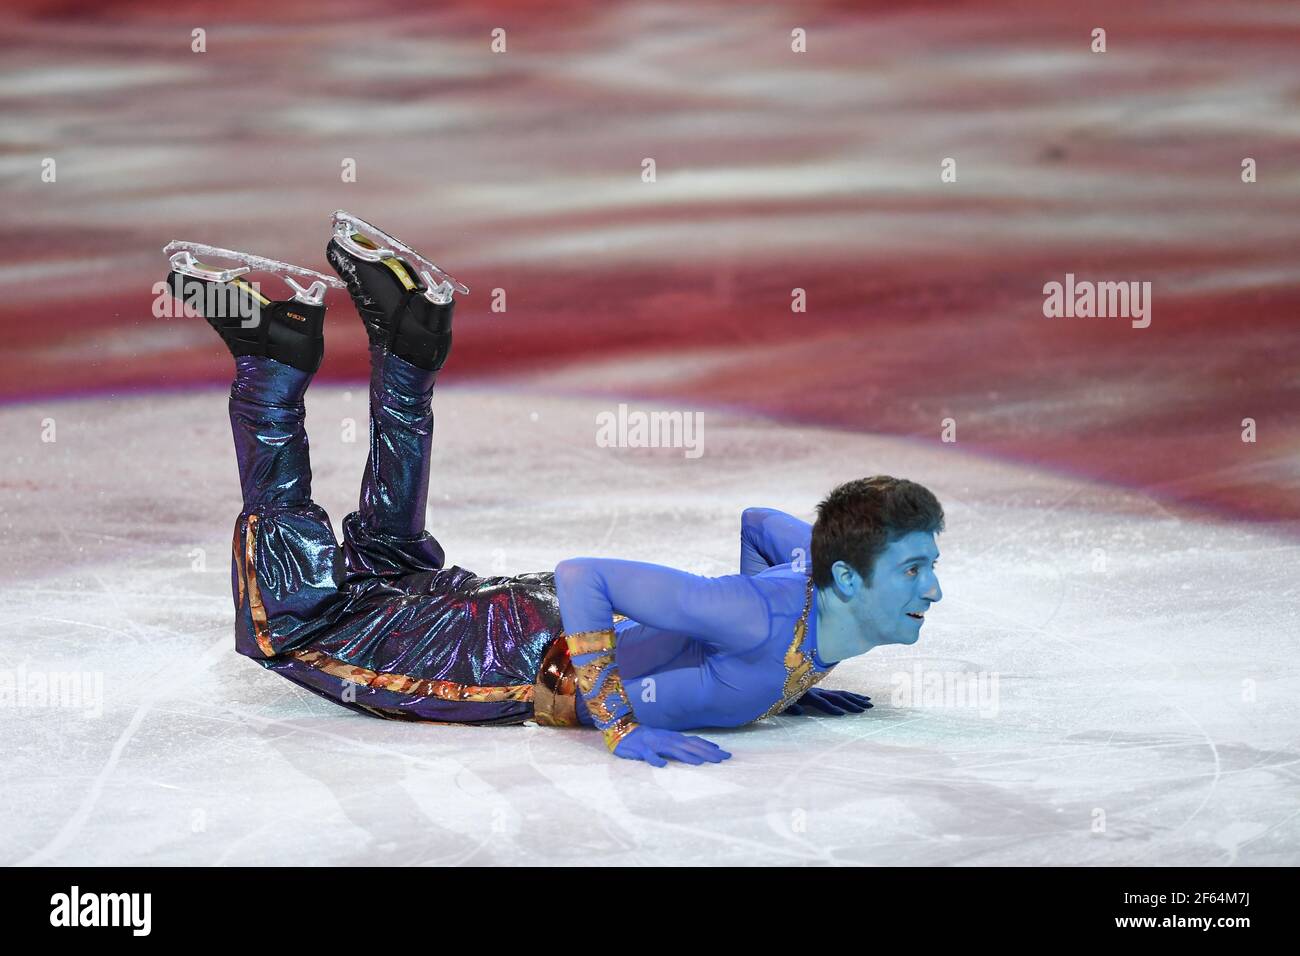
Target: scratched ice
column 1144, row 711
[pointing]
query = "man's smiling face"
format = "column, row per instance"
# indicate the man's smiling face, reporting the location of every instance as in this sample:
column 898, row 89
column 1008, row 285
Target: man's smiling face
column 903, row 586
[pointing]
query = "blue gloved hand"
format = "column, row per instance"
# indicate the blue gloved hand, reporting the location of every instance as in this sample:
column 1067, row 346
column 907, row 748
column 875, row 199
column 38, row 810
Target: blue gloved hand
column 653, row 745
column 836, row 702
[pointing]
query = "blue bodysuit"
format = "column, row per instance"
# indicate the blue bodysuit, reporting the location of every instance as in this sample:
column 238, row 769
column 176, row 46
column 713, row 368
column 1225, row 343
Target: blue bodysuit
column 706, row 651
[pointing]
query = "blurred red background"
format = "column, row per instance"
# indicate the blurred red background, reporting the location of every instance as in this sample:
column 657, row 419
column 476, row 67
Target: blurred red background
column 775, row 170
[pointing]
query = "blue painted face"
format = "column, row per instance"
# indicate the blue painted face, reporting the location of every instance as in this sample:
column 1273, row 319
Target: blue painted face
column 903, row 586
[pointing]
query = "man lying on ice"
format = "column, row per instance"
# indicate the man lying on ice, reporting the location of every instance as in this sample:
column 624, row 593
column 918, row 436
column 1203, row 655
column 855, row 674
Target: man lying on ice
column 639, row 651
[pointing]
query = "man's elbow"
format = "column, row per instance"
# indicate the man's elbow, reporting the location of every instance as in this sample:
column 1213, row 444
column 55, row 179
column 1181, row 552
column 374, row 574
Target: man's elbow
column 751, row 519
column 571, row 573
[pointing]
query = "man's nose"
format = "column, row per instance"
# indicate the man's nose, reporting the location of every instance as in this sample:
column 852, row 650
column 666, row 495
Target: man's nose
column 933, row 593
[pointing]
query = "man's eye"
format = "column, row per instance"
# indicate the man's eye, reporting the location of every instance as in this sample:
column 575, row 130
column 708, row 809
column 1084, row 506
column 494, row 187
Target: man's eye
column 913, row 570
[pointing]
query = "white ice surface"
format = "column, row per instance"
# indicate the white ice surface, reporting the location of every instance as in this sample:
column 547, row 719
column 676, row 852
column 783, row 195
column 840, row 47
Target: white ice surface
column 1146, row 708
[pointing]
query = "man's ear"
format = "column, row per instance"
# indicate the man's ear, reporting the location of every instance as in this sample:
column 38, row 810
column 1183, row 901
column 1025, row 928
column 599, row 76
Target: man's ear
column 846, row 579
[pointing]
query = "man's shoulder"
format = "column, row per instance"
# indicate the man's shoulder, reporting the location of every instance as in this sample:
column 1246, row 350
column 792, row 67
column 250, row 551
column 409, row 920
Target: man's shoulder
column 782, row 585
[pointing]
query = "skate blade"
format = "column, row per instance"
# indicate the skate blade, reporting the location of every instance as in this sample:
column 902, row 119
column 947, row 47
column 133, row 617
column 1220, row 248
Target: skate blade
column 348, row 227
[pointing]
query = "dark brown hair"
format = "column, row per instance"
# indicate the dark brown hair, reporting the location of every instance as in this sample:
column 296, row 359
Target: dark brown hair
column 858, row 520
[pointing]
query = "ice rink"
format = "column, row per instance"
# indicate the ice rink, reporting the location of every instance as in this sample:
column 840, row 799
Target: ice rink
column 1130, row 673
column 1113, row 676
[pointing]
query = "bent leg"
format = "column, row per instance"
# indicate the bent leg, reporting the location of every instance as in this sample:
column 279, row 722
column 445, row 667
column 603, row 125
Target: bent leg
column 386, row 537
column 471, row 650
column 286, row 566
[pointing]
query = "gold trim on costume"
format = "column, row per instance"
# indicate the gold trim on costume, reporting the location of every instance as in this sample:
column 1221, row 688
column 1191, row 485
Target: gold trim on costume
column 588, row 642
column 624, row 726
column 588, row 675
column 261, row 629
column 605, row 697
column 800, row 671
column 239, row 566
column 555, row 702
column 414, row 686
column 604, row 705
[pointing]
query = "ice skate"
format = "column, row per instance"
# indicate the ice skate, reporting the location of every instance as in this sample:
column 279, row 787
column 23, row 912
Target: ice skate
column 290, row 331
column 404, row 299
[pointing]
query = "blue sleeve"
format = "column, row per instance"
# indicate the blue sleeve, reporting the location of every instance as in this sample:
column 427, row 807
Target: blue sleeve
column 728, row 612
column 769, row 537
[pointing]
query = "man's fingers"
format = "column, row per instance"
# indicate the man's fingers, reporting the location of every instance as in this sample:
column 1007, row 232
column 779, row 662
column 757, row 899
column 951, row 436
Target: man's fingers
column 654, row 760
column 857, row 703
column 712, row 756
column 836, row 703
column 847, row 697
column 711, row 752
column 684, row 755
column 707, row 743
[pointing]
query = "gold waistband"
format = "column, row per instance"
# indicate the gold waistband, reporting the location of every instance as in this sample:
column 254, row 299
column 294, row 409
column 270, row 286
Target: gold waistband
column 555, row 697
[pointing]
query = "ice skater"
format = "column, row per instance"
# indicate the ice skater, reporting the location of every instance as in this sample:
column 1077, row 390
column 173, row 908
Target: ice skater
column 639, row 651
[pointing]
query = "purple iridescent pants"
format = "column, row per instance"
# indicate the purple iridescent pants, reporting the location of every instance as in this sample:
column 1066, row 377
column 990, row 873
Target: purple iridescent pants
column 379, row 625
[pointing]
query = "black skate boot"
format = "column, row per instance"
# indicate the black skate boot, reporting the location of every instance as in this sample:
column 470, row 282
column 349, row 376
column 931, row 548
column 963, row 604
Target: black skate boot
column 396, row 306
column 249, row 323
column 290, row 331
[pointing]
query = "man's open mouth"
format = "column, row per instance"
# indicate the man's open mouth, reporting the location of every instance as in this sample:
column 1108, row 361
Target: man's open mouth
column 916, row 614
